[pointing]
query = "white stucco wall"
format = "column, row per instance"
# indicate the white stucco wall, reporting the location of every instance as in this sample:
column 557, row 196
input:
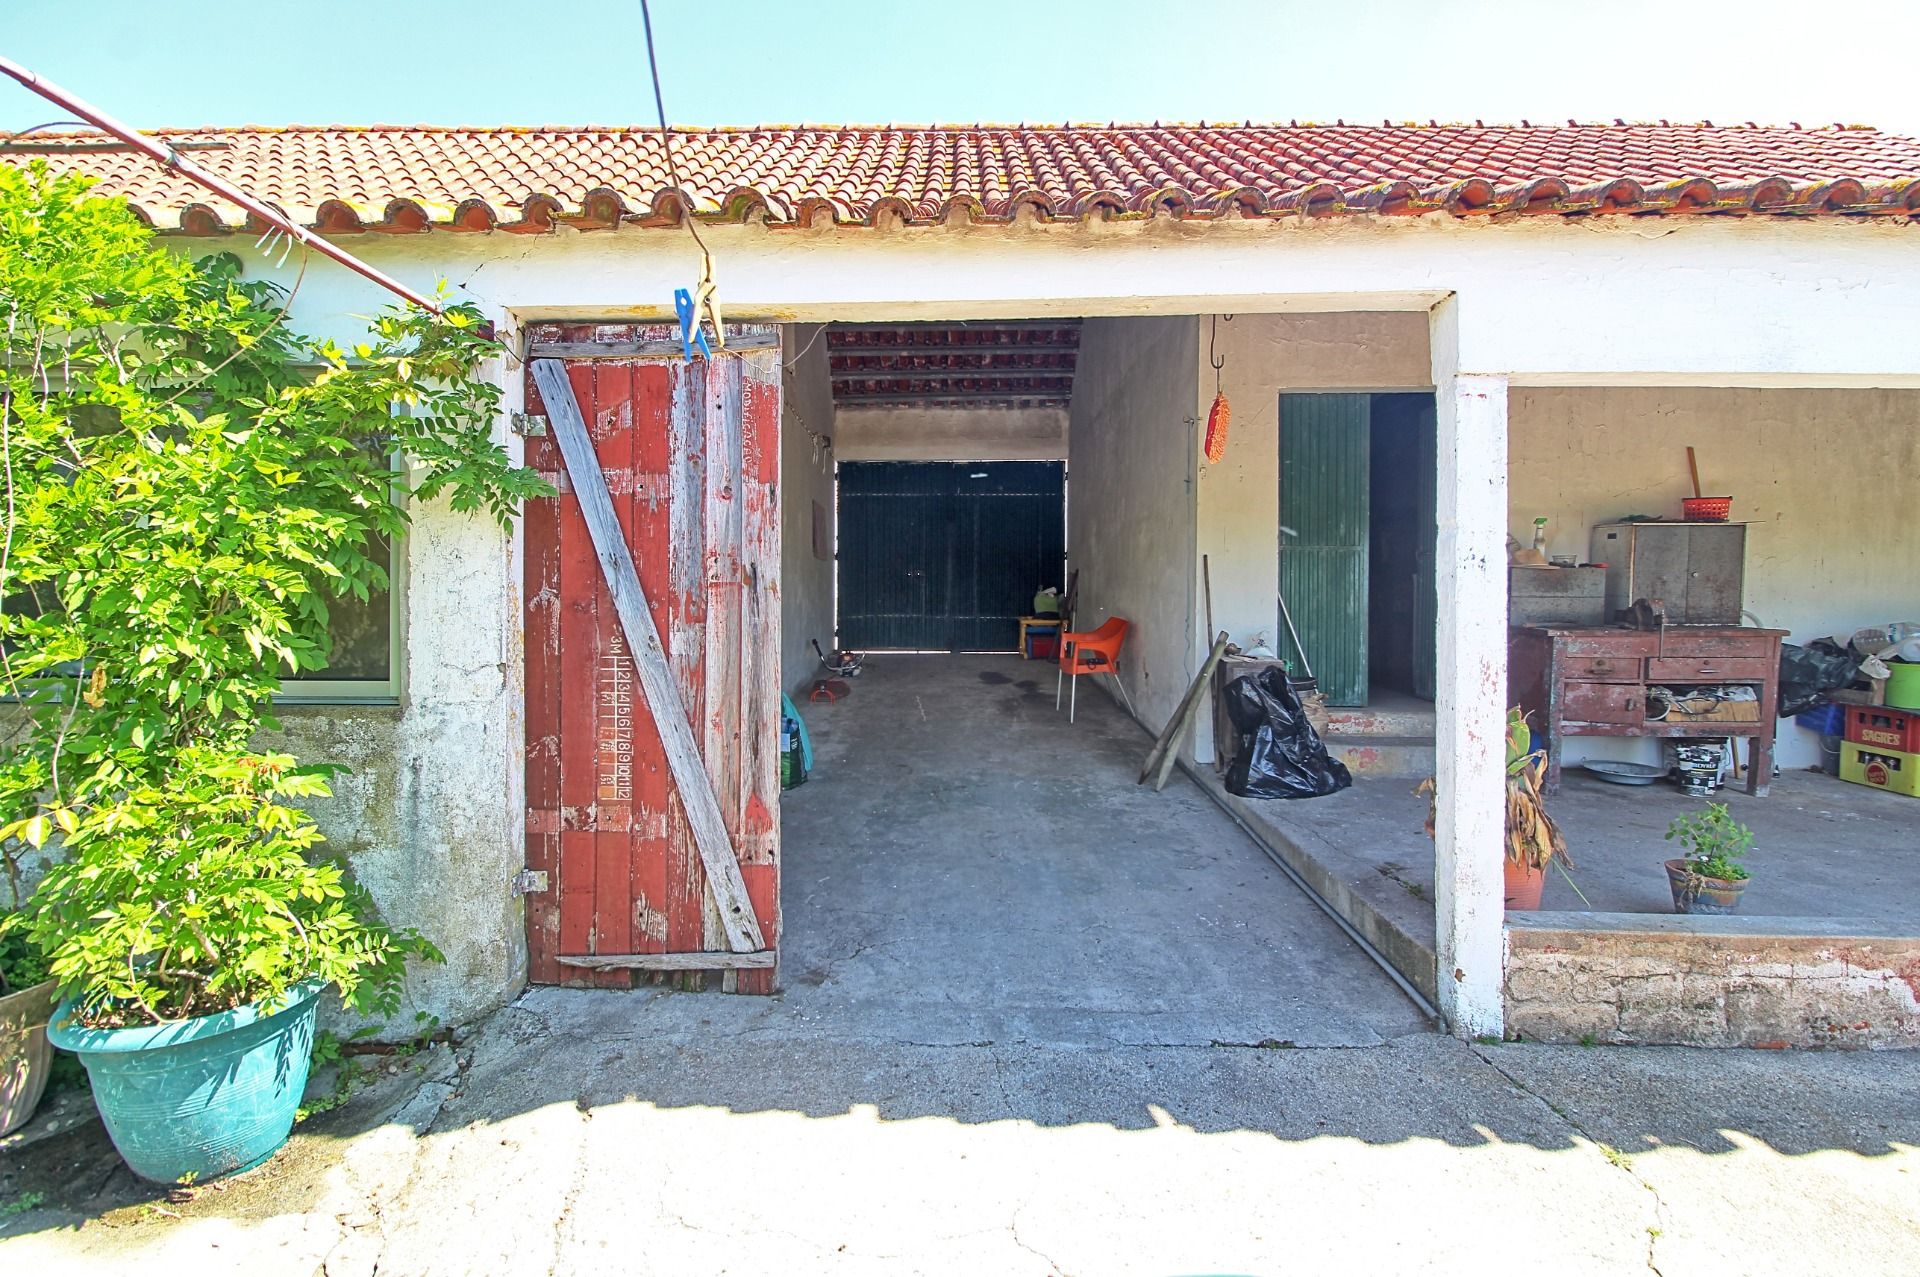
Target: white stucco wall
column 1688, row 300
column 1130, row 528
column 1824, row 474
column 432, row 819
column 806, row 581
column 431, row 815
column 951, row 434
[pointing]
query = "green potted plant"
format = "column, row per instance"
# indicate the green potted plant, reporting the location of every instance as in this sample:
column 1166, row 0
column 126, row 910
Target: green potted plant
column 189, row 487
column 26, row 1004
column 1709, row 878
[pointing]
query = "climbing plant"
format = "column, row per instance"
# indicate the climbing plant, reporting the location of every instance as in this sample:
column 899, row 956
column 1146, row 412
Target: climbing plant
column 189, row 487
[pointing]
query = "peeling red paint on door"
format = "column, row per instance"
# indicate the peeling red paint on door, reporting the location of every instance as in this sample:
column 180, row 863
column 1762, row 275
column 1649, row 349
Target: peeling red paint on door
column 691, row 457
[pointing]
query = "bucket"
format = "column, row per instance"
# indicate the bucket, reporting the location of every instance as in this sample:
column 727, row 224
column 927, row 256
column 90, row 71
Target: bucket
column 1903, row 685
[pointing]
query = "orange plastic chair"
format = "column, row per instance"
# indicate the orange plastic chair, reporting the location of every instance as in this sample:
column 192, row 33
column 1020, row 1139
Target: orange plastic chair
column 1092, row 652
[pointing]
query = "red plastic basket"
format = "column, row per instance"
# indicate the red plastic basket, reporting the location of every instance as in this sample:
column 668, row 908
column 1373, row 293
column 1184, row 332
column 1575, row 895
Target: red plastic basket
column 1706, row 509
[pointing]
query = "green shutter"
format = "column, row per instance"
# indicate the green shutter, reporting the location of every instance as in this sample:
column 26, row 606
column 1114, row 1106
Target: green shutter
column 1323, row 563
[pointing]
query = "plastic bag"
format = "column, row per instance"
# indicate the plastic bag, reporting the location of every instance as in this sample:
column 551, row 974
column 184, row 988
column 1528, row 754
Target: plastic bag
column 1280, row 755
column 1808, row 673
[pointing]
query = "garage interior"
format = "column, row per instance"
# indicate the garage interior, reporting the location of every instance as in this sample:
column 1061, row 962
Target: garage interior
column 962, row 854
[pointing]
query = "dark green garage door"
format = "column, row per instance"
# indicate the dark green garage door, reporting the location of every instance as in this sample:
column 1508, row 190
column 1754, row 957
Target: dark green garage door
column 939, row 556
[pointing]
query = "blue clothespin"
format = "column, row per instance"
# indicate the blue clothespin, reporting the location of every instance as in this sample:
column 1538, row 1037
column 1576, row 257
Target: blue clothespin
column 691, row 333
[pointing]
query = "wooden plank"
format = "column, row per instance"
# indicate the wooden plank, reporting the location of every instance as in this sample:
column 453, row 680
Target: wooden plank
column 760, row 668
column 542, row 674
column 684, row 429
column 1163, row 745
column 705, row 961
column 640, row 349
column 650, row 658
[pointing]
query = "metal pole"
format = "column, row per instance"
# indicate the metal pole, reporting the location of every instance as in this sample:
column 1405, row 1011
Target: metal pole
column 171, row 159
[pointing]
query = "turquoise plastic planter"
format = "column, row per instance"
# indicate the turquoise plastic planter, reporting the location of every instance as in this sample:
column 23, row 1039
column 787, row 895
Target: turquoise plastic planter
column 203, row 1097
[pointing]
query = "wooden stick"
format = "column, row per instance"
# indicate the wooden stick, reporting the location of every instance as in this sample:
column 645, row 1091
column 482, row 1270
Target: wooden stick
column 1160, row 758
column 1206, row 578
column 671, row 961
column 724, row 881
column 639, row 349
column 1693, row 468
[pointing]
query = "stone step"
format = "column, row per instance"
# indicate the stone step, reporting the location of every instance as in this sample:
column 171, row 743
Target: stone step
column 1411, row 719
column 1384, row 757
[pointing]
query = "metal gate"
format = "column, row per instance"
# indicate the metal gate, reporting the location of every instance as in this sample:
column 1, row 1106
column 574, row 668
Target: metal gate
column 652, row 650
column 943, row 556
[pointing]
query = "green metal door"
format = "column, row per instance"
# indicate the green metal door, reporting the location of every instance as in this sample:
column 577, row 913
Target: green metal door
column 946, row 556
column 1323, row 544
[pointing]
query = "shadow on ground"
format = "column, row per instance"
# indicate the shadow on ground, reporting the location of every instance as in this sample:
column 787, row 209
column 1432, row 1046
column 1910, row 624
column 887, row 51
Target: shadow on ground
column 1037, row 1019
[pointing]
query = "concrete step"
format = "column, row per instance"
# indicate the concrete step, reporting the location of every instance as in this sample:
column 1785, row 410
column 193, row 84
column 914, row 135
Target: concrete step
column 1383, row 757
column 1409, row 718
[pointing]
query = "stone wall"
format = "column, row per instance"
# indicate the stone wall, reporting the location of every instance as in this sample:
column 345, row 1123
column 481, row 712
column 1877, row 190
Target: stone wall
column 1699, row 981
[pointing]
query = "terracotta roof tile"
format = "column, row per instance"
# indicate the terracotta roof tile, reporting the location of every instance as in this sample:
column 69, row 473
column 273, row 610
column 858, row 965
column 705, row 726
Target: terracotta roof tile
column 400, row 179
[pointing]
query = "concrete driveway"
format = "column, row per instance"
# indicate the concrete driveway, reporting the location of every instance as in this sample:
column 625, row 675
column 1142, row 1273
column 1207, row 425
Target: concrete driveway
column 1037, row 1021
column 596, row 1132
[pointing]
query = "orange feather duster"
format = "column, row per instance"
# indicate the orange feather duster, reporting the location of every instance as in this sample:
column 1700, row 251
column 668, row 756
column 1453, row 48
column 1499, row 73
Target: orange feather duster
column 1218, row 418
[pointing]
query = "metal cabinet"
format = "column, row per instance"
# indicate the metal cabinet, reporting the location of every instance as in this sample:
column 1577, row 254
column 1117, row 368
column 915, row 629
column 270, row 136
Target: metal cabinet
column 1698, row 570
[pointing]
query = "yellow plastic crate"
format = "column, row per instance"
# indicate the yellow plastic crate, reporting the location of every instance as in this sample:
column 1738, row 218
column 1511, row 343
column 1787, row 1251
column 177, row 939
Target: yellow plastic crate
column 1879, row 768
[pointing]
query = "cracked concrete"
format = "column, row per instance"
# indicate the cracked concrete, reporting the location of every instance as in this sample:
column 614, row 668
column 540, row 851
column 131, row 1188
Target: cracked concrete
column 1190, row 1072
column 592, row 1132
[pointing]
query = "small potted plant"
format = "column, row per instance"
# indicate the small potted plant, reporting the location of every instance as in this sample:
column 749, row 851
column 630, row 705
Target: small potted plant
column 1709, row 878
column 26, row 1003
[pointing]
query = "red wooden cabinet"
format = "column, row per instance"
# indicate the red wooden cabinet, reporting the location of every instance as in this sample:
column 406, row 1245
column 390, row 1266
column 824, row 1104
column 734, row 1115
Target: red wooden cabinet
column 1581, row 681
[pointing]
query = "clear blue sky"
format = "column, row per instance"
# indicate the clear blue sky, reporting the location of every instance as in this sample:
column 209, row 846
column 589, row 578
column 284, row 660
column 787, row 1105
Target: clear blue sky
column 158, row 62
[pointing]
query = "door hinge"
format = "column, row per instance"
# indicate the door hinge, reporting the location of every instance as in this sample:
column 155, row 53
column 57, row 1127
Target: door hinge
column 529, row 425
column 529, row 881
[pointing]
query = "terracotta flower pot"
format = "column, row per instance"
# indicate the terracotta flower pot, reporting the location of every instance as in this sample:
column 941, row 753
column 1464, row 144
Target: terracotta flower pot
column 1524, row 884
column 1697, row 893
column 24, row 1053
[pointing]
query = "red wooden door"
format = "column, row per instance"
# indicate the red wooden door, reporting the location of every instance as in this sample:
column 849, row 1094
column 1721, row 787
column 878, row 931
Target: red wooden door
column 690, row 453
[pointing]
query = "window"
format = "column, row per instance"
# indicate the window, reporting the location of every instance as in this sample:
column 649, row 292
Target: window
column 367, row 651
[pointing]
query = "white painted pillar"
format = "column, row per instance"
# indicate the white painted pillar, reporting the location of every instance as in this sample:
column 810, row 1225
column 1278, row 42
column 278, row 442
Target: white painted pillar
column 1470, row 813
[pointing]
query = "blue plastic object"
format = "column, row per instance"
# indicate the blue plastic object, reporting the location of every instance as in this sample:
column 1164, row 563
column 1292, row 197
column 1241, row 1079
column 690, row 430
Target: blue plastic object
column 691, row 333
column 203, row 1097
column 806, row 741
column 1828, row 720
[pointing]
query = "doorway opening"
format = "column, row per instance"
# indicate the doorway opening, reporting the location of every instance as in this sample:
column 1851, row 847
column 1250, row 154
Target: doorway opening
column 1357, row 514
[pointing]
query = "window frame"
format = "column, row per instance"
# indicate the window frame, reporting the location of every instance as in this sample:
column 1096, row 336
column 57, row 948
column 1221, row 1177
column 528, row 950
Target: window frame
column 310, row 690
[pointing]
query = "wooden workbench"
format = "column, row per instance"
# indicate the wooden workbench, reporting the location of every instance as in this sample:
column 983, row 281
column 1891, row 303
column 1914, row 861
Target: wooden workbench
column 1593, row 681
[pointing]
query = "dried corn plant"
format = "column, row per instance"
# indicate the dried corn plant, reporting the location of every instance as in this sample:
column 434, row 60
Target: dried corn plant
column 1533, row 838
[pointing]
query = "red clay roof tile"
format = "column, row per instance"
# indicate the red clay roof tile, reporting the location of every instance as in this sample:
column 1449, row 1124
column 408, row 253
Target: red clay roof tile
column 401, row 179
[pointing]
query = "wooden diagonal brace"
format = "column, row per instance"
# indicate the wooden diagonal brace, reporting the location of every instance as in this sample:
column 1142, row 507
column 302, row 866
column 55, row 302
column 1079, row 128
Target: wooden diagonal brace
column 650, row 660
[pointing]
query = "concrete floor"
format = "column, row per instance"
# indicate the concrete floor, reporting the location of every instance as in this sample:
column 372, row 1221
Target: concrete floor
column 966, row 862
column 594, row 1132
column 1030, row 1027
column 1823, row 848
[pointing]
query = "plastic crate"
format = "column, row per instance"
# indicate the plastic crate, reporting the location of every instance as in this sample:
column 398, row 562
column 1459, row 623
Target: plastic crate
column 1828, row 720
column 1883, row 728
column 1891, row 770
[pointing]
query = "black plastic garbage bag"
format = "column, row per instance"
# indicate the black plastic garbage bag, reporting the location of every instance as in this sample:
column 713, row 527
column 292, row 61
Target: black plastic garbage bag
column 1808, row 674
column 1280, row 755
